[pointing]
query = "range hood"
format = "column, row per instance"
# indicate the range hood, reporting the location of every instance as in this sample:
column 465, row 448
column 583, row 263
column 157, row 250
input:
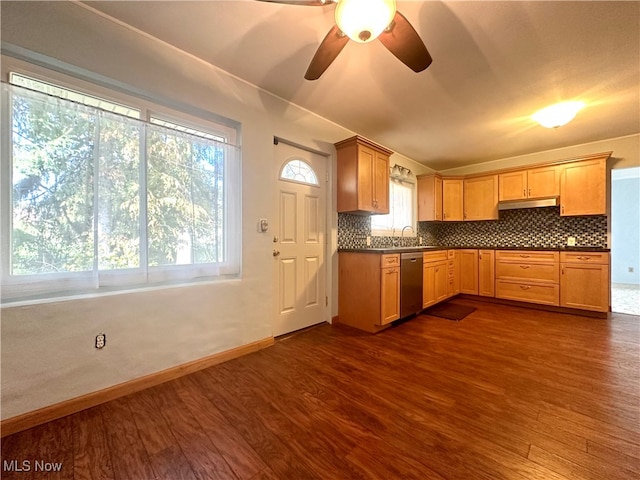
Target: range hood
column 539, row 202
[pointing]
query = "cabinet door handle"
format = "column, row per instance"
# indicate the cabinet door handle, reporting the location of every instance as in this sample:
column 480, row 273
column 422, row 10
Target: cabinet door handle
column 529, row 192
column 524, row 192
column 444, row 215
column 391, row 271
column 563, row 209
column 523, row 255
column 525, row 287
column 584, row 258
column 276, row 253
column 525, row 266
column 562, row 270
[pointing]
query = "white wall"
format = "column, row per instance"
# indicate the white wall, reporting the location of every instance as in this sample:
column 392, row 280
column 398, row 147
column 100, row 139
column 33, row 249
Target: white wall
column 47, row 349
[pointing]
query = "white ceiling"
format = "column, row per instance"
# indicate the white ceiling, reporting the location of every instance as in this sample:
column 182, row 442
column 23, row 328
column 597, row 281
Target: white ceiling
column 494, row 64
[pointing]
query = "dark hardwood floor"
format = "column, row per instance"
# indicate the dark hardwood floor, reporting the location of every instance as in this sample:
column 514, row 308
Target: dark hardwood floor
column 506, row 393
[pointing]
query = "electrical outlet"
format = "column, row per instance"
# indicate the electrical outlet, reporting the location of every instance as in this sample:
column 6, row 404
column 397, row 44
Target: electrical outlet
column 101, row 340
column 420, row 240
column 368, row 241
column 571, row 241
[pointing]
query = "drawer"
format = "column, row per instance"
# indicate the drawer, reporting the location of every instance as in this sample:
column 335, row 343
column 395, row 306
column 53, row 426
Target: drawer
column 527, row 256
column 601, row 258
column 392, row 260
column 428, row 257
column 546, row 294
column 451, row 254
column 532, row 272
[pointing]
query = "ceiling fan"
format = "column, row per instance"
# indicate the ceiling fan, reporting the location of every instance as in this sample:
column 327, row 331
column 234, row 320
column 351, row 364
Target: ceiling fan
column 363, row 21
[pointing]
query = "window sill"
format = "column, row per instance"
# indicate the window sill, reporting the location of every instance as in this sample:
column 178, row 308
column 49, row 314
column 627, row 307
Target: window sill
column 112, row 291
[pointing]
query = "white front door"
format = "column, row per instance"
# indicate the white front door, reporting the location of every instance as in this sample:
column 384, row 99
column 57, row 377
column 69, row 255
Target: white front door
column 299, row 239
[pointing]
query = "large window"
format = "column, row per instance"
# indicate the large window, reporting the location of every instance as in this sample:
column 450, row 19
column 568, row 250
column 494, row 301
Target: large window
column 401, row 211
column 95, row 198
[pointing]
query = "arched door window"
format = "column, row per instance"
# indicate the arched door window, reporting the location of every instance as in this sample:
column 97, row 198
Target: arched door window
column 299, row 172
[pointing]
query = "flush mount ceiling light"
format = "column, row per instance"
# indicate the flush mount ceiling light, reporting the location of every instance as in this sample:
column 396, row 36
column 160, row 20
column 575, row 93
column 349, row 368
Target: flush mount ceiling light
column 364, row 20
column 559, row 114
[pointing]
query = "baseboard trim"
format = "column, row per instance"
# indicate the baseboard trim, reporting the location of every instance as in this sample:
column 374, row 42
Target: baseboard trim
column 74, row 405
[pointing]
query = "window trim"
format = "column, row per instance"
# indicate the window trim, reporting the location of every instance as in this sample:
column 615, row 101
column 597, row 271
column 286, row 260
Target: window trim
column 384, row 232
column 229, row 130
column 293, row 180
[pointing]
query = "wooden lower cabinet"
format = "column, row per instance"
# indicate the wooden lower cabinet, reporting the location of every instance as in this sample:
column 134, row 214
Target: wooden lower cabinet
column 369, row 283
column 584, row 281
column 435, row 278
column 468, row 261
column 545, row 294
column 528, row 276
column 453, row 273
column 434, row 283
column 486, row 273
column 368, row 290
column 390, row 294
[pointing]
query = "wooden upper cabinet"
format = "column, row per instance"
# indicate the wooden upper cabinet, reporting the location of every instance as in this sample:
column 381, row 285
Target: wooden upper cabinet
column 583, row 188
column 481, row 198
column 539, row 182
column 381, row 182
column 429, row 198
column 363, row 177
column 513, row 185
column 452, row 198
column 544, row 181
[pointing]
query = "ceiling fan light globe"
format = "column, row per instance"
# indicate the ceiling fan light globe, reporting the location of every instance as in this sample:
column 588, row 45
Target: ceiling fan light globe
column 363, row 20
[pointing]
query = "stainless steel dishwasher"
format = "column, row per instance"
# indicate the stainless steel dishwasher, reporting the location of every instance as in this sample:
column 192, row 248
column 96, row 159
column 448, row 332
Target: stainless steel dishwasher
column 410, row 283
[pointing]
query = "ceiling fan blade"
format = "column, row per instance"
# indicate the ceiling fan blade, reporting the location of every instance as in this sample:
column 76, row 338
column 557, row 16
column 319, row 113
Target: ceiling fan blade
column 403, row 41
column 309, row 3
column 327, row 52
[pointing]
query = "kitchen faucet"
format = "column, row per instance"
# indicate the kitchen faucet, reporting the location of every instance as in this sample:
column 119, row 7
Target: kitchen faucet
column 404, row 228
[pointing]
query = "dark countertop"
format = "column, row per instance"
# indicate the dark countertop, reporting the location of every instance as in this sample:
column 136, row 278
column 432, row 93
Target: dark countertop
column 426, row 248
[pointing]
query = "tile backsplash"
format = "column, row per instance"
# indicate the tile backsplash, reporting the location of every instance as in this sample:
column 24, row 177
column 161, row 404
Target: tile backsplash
column 531, row 227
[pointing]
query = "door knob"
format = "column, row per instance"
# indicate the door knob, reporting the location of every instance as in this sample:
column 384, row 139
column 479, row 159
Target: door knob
column 276, row 253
